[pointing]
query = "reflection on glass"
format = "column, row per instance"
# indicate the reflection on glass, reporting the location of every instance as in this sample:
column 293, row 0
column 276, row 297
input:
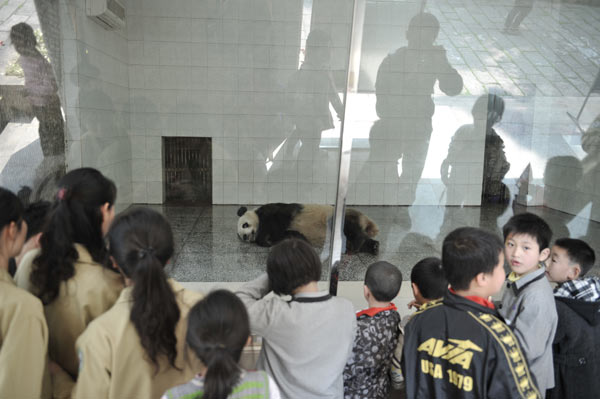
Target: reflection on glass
column 517, row 14
column 310, row 90
column 495, row 165
column 41, row 90
column 405, row 83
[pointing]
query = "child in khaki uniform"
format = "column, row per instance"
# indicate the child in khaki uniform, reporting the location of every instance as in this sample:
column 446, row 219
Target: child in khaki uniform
column 142, row 337
column 68, row 272
column 23, row 330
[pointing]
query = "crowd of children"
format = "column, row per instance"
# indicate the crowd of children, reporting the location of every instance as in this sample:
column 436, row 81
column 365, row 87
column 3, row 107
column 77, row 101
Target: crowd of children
column 87, row 311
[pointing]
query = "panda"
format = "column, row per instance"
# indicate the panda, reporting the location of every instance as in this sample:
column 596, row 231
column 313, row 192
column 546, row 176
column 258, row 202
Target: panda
column 271, row 223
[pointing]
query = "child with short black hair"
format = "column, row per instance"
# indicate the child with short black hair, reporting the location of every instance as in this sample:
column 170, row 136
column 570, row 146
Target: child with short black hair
column 308, row 339
column 218, row 330
column 367, row 372
column 428, row 283
column 570, row 259
column 575, row 348
column 527, row 302
column 458, row 347
column 36, row 216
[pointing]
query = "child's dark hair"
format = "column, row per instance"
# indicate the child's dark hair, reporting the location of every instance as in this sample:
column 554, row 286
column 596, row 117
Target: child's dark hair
column 468, row 251
column 578, row 252
column 291, row 264
column 141, row 243
column 12, row 209
column 36, row 215
column 428, row 275
column 75, row 218
column 529, row 224
column 383, row 280
column 218, row 328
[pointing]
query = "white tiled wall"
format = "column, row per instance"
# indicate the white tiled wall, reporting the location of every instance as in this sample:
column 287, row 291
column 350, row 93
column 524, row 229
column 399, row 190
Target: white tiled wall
column 219, row 69
column 96, row 93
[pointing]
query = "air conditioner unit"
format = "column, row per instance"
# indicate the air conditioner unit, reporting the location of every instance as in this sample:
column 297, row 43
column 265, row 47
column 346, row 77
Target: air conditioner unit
column 108, row 13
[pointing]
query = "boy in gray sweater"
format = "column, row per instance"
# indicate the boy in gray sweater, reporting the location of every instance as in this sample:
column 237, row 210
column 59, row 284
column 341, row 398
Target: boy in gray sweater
column 307, row 339
column 528, row 303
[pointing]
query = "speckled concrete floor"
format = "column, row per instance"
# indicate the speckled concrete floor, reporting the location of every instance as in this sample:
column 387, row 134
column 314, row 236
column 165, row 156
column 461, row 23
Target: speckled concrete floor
column 208, row 249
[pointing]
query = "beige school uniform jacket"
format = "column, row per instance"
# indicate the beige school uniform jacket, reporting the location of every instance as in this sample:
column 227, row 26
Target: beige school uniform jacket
column 114, row 364
column 89, row 293
column 23, row 343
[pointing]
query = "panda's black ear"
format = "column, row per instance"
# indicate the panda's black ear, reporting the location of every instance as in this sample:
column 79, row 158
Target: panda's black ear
column 242, row 210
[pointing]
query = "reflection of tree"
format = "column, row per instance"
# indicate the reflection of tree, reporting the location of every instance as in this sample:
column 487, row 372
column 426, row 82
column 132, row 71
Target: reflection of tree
column 405, row 82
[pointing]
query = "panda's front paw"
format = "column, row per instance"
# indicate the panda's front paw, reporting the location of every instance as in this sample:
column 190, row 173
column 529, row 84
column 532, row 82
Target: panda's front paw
column 372, row 247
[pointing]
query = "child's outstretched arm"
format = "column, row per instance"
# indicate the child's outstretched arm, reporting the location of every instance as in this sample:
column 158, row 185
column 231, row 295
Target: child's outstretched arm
column 259, row 309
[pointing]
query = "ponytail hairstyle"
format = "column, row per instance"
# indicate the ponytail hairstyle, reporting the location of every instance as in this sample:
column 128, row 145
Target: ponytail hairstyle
column 218, row 329
column 75, row 217
column 140, row 242
column 12, row 210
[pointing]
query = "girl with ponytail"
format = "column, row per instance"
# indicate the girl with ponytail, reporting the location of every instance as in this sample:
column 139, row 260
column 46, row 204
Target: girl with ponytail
column 218, row 329
column 70, row 273
column 142, row 337
column 23, row 331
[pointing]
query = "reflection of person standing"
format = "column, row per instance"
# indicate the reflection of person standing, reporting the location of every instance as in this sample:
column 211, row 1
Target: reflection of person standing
column 310, row 90
column 41, row 89
column 520, row 10
column 404, row 85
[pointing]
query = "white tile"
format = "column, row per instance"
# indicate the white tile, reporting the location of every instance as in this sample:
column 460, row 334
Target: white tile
column 290, row 192
column 217, row 170
column 319, row 193
column 274, row 192
column 305, row 193
column 230, row 171
column 362, row 194
column 390, row 195
column 376, row 194
column 154, row 192
column 230, row 149
column 139, row 192
column 153, row 170
column 217, row 193
column 230, row 193
column 246, row 171
column 154, row 147
column 259, row 193
column 260, row 172
column 138, row 170
column 245, row 193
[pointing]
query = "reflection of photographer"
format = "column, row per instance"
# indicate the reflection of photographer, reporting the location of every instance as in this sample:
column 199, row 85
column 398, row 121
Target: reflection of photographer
column 404, row 85
column 457, row 165
column 41, row 89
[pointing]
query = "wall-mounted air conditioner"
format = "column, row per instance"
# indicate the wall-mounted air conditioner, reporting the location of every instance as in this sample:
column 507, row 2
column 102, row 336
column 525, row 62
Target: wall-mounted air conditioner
column 108, row 13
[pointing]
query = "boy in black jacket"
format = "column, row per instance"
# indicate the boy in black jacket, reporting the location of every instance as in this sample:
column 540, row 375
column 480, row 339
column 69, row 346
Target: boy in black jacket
column 576, row 347
column 458, row 347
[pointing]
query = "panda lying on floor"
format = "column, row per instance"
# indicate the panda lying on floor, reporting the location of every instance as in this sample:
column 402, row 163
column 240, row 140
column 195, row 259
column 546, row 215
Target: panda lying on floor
column 271, row 223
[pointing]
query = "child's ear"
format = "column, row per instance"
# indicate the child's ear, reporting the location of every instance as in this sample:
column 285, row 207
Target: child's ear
column 415, row 289
column 482, row 279
column 544, row 254
column 366, row 291
column 113, row 263
column 574, row 272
